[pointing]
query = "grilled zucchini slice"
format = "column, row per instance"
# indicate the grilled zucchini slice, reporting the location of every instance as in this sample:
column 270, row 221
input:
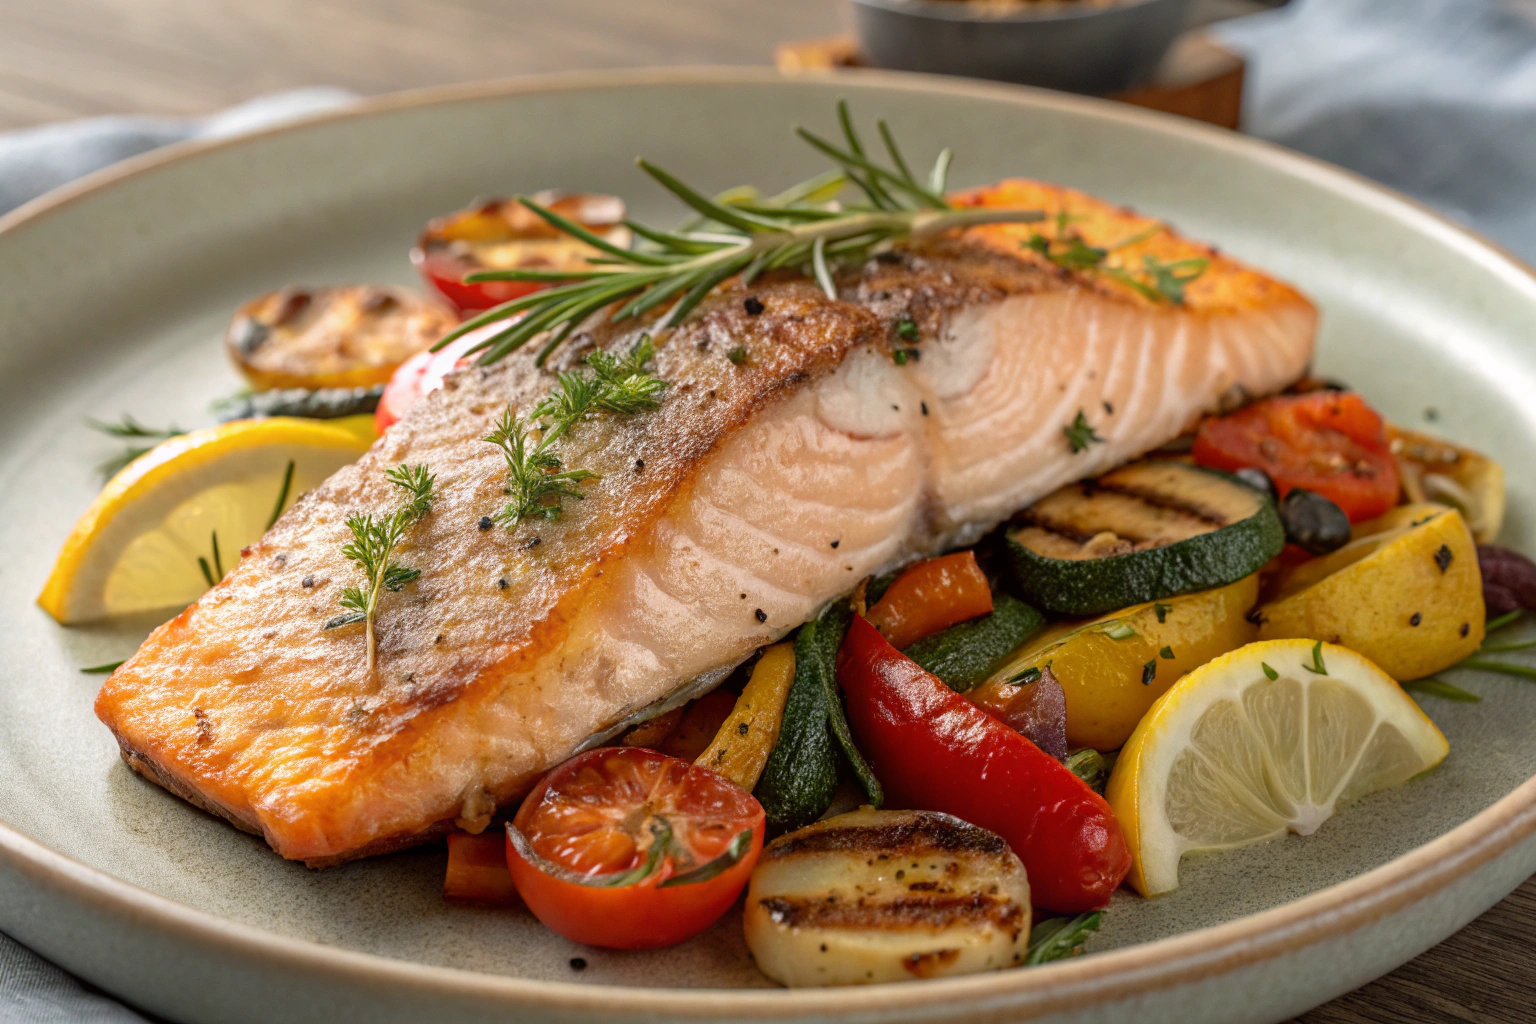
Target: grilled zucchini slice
column 876, row 896
column 1144, row 532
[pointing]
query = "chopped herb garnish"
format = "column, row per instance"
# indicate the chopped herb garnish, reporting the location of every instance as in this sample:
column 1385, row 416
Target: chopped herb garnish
column 1080, row 433
column 1149, row 672
column 1057, row 938
column 1120, row 631
column 902, row 356
column 1162, row 611
column 1024, row 678
column 101, row 670
column 1166, row 653
column 1440, row 688
column 1271, row 673
column 1155, row 280
column 906, row 329
column 1443, row 557
column 535, row 480
column 374, row 539
column 737, row 355
column 1317, row 667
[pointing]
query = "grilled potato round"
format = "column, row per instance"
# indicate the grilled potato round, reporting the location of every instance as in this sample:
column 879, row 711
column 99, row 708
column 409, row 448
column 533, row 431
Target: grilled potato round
column 345, row 337
column 876, row 896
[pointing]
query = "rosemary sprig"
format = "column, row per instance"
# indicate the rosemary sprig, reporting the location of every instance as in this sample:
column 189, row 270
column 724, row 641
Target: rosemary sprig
column 536, row 482
column 130, row 429
column 1155, row 280
column 804, row 228
column 374, row 539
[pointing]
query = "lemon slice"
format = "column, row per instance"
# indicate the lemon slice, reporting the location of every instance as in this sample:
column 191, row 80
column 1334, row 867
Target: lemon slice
column 1267, row 739
column 148, row 540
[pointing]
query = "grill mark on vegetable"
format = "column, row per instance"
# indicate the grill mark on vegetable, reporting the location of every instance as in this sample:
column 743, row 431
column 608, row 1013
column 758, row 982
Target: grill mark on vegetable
column 1151, row 499
column 910, row 911
column 903, row 839
column 1168, row 502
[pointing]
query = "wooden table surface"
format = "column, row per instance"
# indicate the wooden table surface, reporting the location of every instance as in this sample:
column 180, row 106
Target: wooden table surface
column 74, row 58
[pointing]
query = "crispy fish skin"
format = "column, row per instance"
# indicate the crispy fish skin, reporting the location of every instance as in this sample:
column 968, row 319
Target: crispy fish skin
column 759, row 489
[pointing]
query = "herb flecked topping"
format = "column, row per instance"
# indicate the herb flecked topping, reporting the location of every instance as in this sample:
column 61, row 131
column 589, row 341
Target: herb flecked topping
column 537, row 483
column 1080, row 434
column 1155, row 280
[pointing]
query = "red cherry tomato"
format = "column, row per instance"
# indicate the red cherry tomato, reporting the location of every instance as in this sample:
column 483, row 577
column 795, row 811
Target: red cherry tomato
column 934, row 750
column 932, row 595
column 503, row 234
column 627, row 848
column 1328, row 442
column 423, row 374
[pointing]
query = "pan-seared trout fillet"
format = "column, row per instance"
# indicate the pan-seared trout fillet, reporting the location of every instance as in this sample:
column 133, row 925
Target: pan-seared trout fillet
column 791, row 456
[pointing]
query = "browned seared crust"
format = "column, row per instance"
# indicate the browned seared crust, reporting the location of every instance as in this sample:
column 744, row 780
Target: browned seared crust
column 929, row 835
column 936, row 911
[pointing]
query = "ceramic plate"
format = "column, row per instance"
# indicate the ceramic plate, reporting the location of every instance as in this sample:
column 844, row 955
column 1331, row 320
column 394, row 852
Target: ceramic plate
column 113, row 298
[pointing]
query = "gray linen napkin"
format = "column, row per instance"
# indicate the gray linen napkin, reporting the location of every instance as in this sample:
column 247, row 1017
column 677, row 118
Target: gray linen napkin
column 1436, row 98
column 34, row 160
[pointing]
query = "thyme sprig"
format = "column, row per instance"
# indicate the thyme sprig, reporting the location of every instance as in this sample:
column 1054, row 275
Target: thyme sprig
column 374, row 539
column 536, row 482
column 805, row 228
column 1155, row 280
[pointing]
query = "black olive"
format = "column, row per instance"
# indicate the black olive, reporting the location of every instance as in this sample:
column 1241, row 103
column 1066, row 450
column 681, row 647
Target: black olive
column 1258, row 480
column 1313, row 523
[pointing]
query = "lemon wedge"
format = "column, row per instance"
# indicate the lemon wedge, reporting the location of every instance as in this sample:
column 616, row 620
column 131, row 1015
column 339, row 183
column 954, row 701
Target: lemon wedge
column 174, row 520
column 1267, row 739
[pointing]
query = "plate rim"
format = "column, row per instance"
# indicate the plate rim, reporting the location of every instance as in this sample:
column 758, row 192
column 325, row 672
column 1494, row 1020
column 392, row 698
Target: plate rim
column 1164, row 963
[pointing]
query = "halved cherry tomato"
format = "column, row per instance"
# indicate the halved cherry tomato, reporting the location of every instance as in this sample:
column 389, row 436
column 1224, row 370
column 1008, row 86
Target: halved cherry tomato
column 503, row 234
column 423, row 374
column 628, row 848
column 1329, row 442
column 477, row 869
column 930, row 596
column 936, row 751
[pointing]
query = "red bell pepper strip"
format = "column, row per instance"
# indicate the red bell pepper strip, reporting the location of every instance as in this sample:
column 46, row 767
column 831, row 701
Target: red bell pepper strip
column 934, row 750
column 930, row 596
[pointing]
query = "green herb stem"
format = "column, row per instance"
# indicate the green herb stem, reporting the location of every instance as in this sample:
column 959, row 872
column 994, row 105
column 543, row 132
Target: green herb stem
column 374, row 539
column 738, row 233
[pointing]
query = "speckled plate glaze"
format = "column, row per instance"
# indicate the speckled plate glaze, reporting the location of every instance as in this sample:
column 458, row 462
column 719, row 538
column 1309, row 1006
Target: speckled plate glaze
column 112, row 300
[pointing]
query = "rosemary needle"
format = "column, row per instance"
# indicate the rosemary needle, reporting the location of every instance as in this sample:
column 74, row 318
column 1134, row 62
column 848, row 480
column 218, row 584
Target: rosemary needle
column 282, row 495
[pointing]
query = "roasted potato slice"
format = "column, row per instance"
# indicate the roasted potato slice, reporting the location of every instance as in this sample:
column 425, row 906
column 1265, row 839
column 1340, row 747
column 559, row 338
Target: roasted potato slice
column 344, row 337
column 876, row 896
column 1436, row 470
column 1406, row 592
